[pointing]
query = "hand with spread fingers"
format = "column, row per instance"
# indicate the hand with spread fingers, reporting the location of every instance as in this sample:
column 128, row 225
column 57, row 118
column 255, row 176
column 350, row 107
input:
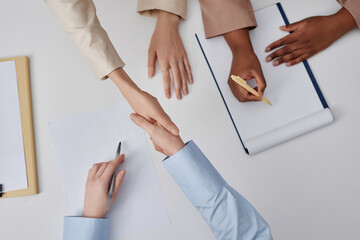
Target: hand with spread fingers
column 167, row 47
column 97, row 185
column 163, row 141
column 244, row 64
column 309, row 37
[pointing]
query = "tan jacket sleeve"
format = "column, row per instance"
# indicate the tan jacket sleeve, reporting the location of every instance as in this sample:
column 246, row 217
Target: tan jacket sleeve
column 78, row 19
column 151, row 7
column 353, row 6
column 222, row 16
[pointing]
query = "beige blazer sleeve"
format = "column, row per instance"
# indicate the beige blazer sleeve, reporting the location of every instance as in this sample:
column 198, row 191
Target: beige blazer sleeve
column 151, row 7
column 222, row 16
column 353, row 6
column 78, row 19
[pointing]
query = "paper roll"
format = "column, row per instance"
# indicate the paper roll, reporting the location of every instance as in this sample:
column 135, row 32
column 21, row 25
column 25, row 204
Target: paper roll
column 289, row 131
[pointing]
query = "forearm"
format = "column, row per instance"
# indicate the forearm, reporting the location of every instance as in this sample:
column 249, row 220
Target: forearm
column 166, row 19
column 228, row 214
column 343, row 21
column 239, row 40
column 126, row 86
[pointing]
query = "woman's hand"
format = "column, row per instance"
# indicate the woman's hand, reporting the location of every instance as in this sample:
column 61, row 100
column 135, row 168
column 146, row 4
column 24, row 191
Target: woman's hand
column 244, row 64
column 141, row 102
column 97, row 185
column 163, row 141
column 166, row 46
column 309, row 37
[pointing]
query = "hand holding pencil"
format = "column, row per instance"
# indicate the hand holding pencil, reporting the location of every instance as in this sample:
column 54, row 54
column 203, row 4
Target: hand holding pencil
column 97, row 186
column 243, row 84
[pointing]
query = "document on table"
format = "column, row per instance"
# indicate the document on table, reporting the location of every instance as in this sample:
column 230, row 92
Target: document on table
column 298, row 104
column 88, row 138
column 12, row 159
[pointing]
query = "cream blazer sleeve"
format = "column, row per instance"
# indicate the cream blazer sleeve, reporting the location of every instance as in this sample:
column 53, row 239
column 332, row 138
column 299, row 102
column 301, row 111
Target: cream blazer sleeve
column 219, row 16
column 78, row 19
column 353, row 6
column 151, row 7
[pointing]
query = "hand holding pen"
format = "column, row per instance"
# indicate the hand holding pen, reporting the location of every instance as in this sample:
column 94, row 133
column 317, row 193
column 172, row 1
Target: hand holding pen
column 97, row 187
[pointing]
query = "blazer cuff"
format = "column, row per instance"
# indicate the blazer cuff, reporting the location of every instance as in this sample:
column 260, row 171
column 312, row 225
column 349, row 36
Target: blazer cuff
column 224, row 16
column 151, row 7
column 353, row 6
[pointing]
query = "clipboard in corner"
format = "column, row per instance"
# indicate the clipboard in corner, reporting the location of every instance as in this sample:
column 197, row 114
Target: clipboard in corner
column 23, row 83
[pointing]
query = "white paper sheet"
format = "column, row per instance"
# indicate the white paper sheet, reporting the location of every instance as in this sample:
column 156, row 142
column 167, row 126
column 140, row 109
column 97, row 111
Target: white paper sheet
column 12, row 160
column 290, row 89
column 92, row 137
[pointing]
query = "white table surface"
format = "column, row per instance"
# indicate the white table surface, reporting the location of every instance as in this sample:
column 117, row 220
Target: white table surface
column 307, row 188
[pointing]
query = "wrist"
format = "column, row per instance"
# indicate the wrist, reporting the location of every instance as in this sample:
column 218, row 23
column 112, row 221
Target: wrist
column 342, row 21
column 239, row 41
column 126, row 86
column 167, row 19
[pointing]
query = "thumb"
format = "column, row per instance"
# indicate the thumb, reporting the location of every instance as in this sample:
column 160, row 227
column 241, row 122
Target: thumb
column 118, row 181
column 260, row 82
column 151, row 63
column 290, row 27
column 142, row 122
column 165, row 122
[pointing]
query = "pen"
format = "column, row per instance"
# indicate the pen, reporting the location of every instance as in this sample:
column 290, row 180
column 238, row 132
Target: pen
column 1, row 190
column 112, row 182
column 243, row 84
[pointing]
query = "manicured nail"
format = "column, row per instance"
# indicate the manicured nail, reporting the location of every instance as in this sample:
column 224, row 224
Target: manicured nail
column 267, row 49
column 276, row 63
column 268, row 59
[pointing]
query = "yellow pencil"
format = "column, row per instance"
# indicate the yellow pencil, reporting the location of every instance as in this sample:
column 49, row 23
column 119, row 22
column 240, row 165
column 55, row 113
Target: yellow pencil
column 243, row 84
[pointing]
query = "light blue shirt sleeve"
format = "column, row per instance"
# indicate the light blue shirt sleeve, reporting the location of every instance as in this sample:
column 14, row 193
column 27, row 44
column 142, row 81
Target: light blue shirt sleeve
column 228, row 214
column 80, row 228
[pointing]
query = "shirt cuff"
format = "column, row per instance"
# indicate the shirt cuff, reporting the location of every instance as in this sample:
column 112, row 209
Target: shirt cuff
column 81, row 228
column 353, row 6
column 194, row 173
column 151, row 7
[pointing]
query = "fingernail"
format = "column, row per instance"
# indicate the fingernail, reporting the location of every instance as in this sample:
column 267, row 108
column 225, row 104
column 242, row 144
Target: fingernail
column 132, row 116
column 268, row 59
column 185, row 92
column 168, row 95
column 267, row 49
column 288, row 64
column 174, row 131
column 276, row 63
column 179, row 97
column 122, row 172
